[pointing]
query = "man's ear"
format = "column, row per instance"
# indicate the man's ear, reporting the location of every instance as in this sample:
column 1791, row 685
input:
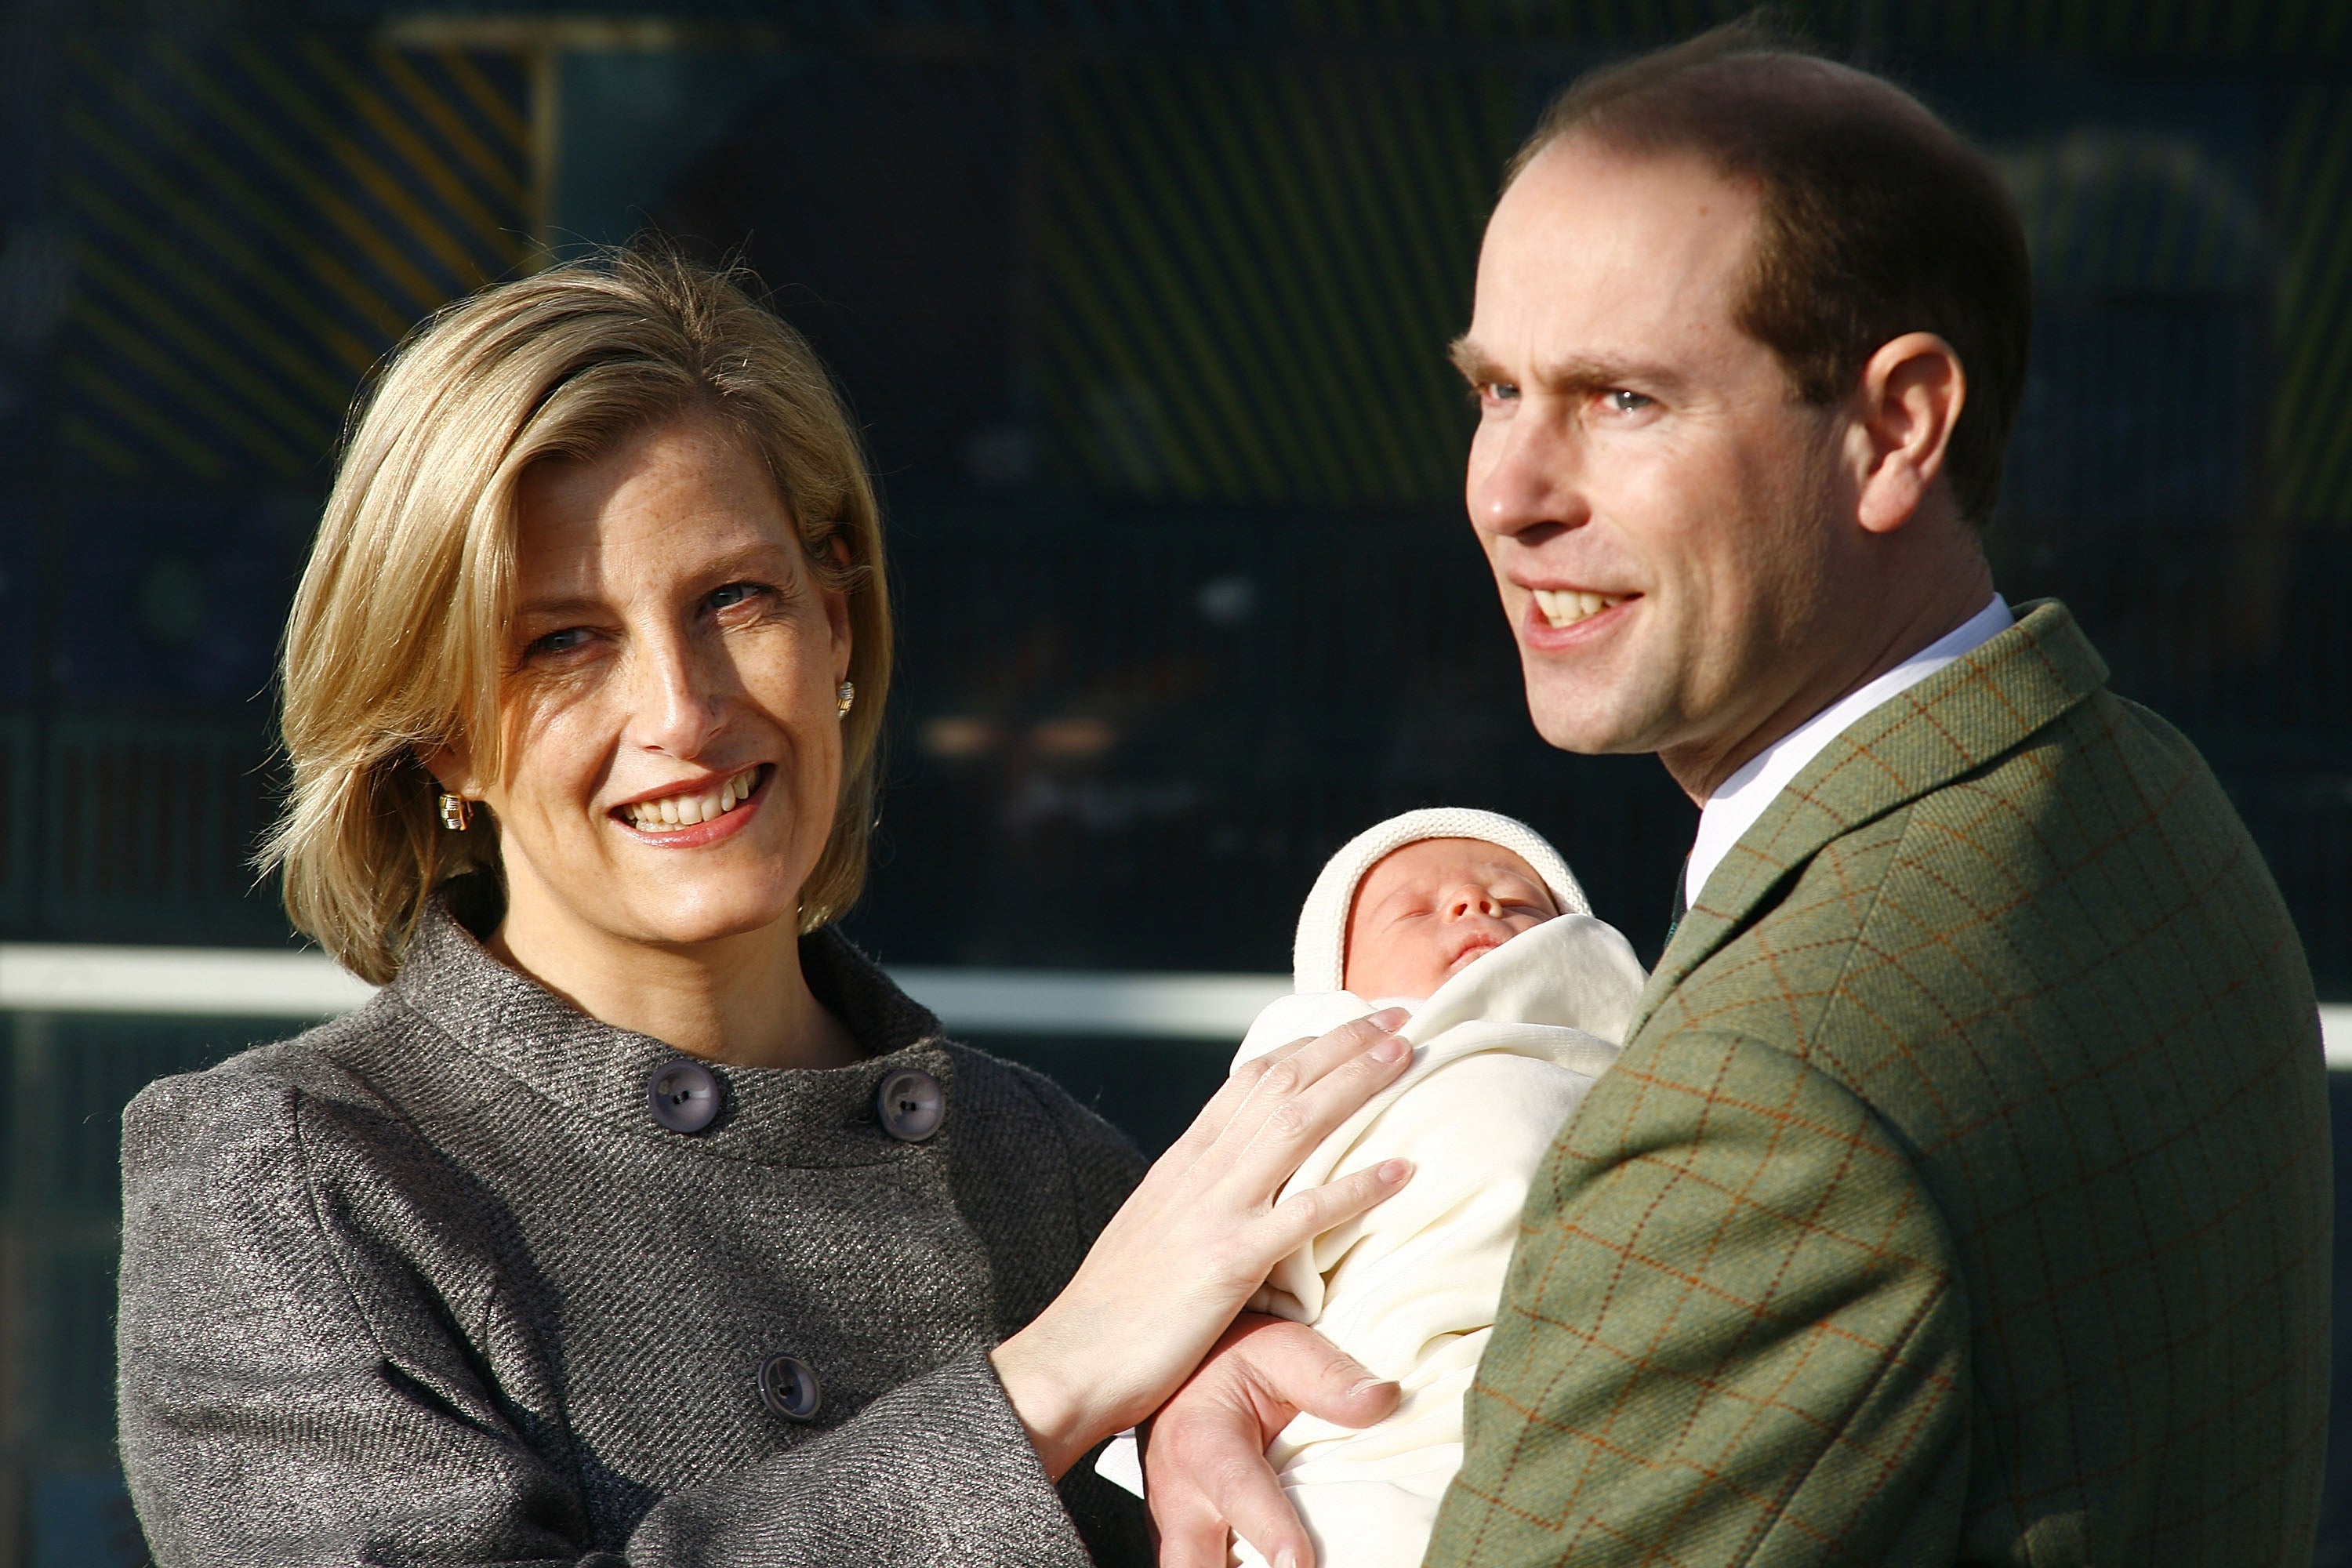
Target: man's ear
column 1908, row 399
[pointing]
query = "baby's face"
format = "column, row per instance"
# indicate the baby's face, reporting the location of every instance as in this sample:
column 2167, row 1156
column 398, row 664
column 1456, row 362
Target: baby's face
column 1426, row 910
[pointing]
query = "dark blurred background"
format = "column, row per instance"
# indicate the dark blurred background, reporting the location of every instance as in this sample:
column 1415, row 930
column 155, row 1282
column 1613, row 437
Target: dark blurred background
column 1141, row 304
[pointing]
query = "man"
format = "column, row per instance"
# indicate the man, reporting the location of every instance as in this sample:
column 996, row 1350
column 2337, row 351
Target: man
column 1963, row 1192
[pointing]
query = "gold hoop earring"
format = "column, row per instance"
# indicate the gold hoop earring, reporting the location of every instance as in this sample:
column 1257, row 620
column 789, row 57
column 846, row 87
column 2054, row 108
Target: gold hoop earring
column 456, row 810
column 844, row 697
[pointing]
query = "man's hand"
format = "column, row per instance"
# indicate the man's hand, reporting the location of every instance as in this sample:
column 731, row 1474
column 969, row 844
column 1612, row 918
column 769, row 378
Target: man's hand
column 1205, row 1459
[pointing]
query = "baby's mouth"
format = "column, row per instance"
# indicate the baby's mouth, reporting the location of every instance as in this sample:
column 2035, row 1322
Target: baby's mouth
column 1566, row 607
column 1478, row 946
column 673, row 812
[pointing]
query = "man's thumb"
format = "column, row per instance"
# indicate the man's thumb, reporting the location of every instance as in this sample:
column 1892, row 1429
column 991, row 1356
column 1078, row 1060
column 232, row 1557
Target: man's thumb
column 1312, row 1374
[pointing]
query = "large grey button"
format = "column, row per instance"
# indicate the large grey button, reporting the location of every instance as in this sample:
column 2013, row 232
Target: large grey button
column 789, row 1387
column 911, row 1104
column 683, row 1095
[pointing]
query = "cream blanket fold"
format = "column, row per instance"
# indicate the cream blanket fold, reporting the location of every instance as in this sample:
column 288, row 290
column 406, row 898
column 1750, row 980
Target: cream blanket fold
column 1503, row 1052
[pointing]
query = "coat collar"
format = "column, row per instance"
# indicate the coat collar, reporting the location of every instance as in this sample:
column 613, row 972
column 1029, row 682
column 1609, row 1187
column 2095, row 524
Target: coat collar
column 1975, row 709
column 801, row 1116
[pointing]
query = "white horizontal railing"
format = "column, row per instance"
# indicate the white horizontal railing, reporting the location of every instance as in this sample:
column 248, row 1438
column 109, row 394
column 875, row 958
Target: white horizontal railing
column 192, row 981
column 203, row 982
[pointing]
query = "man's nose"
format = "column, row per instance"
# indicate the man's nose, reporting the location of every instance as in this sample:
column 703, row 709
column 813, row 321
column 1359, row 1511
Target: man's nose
column 1524, row 477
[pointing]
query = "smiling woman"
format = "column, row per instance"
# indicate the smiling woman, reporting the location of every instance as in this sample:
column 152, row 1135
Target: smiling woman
column 523, row 415
column 671, row 675
column 639, row 1216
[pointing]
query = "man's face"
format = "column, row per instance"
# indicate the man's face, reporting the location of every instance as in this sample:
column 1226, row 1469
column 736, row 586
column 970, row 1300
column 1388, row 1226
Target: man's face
column 1654, row 499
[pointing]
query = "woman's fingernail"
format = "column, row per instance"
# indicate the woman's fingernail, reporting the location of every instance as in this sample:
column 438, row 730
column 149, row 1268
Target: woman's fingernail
column 1395, row 1170
column 1286, row 1559
column 1389, row 1049
column 1389, row 1018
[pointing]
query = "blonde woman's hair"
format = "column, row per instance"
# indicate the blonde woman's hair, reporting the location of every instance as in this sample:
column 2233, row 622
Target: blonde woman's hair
column 396, row 644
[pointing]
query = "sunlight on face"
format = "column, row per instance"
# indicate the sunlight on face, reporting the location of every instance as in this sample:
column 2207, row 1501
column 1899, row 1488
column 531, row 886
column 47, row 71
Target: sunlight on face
column 672, row 753
column 1652, row 495
column 1425, row 910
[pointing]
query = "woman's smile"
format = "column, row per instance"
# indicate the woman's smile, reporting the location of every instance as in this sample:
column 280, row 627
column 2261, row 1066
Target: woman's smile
column 698, row 813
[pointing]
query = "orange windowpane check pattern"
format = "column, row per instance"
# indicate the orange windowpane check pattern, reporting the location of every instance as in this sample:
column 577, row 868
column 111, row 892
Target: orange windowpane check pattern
column 1964, row 1191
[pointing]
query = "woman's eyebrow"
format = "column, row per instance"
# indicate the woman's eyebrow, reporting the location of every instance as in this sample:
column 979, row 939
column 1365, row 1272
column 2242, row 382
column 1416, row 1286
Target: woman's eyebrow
column 758, row 558
column 557, row 609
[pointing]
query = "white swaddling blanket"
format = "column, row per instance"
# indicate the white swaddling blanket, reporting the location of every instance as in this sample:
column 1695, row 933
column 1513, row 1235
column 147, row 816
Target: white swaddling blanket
column 1503, row 1052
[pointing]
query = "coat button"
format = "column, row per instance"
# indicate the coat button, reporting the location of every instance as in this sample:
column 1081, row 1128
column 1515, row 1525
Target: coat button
column 789, row 1387
column 683, row 1095
column 911, row 1105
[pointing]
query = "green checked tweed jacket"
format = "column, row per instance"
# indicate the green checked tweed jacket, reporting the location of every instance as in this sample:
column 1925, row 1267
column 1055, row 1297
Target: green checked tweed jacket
column 1963, row 1192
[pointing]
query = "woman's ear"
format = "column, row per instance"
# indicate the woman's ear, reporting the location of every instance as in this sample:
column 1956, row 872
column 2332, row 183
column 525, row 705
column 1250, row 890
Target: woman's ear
column 452, row 768
column 1910, row 396
column 836, row 611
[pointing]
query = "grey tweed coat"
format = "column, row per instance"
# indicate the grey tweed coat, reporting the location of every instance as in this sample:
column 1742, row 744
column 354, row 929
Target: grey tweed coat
column 430, row 1284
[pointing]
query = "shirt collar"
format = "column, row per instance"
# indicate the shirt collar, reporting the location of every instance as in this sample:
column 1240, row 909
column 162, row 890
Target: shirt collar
column 1736, row 805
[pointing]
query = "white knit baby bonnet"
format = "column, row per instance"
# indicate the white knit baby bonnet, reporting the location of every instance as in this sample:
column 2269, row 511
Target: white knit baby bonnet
column 1318, row 958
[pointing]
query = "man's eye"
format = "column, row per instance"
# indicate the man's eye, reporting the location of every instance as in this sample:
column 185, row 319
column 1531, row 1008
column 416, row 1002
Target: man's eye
column 1623, row 401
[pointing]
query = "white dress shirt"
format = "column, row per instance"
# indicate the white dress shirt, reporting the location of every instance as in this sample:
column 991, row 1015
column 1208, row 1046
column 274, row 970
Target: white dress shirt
column 1734, row 807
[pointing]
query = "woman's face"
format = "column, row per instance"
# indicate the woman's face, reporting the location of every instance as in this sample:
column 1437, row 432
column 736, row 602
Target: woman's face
column 672, row 754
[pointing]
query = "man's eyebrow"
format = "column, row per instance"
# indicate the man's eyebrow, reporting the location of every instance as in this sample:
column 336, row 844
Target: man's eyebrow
column 1577, row 374
column 1471, row 361
column 1607, row 373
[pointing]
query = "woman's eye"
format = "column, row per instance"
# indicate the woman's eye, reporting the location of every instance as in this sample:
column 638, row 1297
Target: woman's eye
column 732, row 595
column 565, row 641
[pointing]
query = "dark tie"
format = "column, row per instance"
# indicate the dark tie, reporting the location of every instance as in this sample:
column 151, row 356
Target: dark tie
column 1681, row 875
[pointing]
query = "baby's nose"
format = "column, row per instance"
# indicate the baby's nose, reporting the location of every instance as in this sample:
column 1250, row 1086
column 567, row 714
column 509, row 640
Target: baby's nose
column 1471, row 901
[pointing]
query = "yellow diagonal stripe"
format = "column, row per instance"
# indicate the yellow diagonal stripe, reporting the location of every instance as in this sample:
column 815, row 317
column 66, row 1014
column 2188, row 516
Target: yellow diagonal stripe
column 301, row 241
column 190, row 384
column 294, row 356
column 158, row 427
column 403, row 139
column 384, row 184
column 380, row 247
column 502, row 171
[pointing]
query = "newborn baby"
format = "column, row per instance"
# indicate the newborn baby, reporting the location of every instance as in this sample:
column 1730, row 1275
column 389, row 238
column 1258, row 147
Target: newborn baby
column 1519, row 1000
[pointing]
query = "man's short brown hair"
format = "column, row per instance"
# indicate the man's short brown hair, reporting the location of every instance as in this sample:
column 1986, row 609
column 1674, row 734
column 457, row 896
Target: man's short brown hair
column 1877, row 219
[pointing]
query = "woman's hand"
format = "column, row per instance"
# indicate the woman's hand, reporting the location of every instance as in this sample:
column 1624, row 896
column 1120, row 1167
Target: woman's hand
column 1196, row 1239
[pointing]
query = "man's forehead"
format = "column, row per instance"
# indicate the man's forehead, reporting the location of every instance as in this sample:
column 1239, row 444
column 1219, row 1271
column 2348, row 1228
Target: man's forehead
column 1599, row 256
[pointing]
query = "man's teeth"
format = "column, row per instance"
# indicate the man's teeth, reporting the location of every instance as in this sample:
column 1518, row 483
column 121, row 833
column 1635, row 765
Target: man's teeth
column 1566, row 606
column 687, row 810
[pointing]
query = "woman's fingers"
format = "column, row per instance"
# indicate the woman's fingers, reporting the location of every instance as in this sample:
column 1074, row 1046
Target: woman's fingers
column 1343, row 1044
column 1302, row 1216
column 1285, row 1096
column 1244, row 1083
column 1263, row 1157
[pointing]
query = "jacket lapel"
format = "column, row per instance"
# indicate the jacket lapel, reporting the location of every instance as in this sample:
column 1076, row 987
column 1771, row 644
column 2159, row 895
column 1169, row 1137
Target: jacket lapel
column 1975, row 709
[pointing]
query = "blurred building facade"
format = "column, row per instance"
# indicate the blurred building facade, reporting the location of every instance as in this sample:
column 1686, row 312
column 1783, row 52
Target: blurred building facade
column 1141, row 304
